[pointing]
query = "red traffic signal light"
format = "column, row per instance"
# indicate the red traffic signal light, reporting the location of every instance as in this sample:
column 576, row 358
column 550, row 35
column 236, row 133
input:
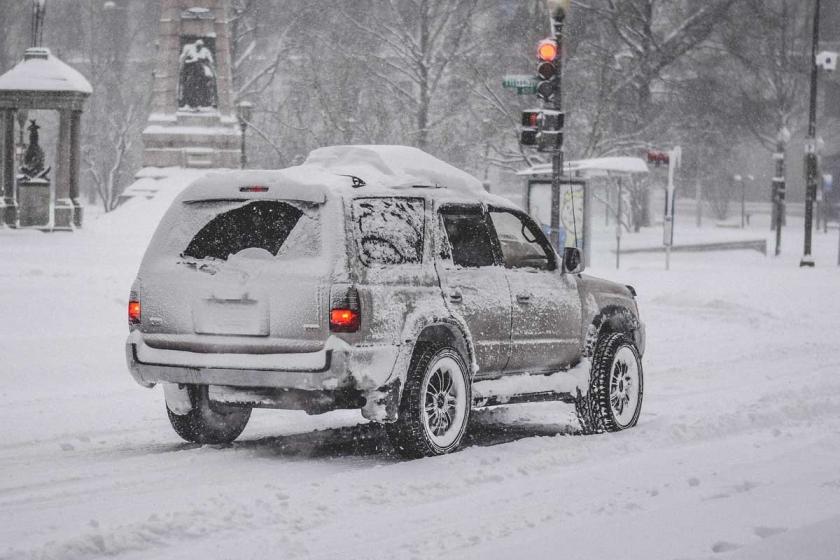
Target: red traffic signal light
column 548, row 53
column 547, row 50
column 531, row 118
column 542, row 129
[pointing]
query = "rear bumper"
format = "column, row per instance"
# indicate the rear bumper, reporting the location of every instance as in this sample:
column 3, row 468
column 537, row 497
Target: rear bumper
column 338, row 365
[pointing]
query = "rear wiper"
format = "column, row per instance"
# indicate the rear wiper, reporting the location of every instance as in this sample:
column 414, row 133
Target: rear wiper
column 210, row 266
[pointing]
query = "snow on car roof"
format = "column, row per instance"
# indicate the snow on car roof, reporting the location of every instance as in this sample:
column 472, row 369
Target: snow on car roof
column 383, row 169
column 306, row 184
column 394, row 166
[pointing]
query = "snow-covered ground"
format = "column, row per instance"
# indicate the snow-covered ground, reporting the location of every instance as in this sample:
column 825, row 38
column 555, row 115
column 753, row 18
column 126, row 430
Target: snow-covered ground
column 736, row 456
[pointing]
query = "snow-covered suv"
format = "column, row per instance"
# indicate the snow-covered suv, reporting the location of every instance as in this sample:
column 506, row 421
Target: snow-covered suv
column 375, row 278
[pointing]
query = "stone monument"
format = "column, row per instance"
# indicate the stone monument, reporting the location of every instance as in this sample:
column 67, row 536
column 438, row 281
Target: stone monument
column 192, row 121
column 41, row 82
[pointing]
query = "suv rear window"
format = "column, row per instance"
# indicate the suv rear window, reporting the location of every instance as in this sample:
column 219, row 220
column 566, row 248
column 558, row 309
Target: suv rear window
column 389, row 230
column 264, row 224
column 199, row 233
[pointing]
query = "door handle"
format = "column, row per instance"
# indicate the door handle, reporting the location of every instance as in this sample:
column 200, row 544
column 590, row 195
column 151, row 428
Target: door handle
column 455, row 296
column 523, row 298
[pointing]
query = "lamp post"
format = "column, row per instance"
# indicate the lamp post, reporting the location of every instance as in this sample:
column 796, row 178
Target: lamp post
column 244, row 110
column 778, row 211
column 674, row 161
column 811, row 163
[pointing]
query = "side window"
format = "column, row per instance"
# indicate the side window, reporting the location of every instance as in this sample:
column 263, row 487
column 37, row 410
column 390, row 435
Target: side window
column 389, row 230
column 469, row 237
column 522, row 244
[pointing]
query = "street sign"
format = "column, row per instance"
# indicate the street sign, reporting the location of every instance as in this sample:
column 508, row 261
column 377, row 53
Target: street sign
column 522, row 83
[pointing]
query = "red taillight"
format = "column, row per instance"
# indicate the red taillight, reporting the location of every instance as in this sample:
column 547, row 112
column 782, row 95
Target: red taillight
column 134, row 312
column 344, row 320
column 345, row 311
column 253, row 189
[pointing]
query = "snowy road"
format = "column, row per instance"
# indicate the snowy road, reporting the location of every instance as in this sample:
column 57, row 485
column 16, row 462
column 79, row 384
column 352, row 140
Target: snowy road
column 737, row 454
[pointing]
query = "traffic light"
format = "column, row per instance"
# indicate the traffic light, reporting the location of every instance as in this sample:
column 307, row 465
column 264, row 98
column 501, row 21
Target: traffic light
column 548, row 52
column 543, row 129
column 529, row 135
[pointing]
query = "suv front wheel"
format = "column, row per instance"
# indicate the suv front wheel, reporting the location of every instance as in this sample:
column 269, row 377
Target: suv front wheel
column 435, row 405
column 616, row 386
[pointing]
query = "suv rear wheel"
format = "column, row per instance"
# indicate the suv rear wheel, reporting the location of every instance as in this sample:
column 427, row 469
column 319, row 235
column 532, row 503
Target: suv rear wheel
column 208, row 422
column 435, row 404
column 616, row 386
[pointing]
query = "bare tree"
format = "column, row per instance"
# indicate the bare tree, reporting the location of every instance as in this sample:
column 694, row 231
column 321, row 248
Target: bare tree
column 628, row 68
column 769, row 58
column 653, row 36
column 105, row 168
column 419, row 42
column 109, row 49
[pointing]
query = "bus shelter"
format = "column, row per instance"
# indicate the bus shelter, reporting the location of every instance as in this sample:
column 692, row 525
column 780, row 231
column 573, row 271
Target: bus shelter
column 576, row 197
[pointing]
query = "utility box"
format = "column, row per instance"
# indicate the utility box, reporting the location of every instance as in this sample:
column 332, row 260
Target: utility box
column 34, row 204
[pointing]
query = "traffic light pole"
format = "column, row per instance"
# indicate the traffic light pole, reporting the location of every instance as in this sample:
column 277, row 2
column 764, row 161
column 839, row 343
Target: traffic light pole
column 558, row 19
column 811, row 163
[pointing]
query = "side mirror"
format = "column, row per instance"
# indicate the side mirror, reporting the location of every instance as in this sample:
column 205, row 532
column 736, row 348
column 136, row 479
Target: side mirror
column 572, row 260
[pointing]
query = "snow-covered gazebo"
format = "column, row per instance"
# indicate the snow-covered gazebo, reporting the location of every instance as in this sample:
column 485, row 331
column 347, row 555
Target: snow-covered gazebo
column 43, row 82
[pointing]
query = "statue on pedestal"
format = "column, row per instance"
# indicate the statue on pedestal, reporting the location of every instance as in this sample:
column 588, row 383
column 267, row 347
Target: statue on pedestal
column 197, row 84
column 192, row 121
column 33, row 158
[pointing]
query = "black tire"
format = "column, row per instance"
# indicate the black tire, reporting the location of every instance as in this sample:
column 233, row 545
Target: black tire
column 410, row 434
column 594, row 410
column 209, row 422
